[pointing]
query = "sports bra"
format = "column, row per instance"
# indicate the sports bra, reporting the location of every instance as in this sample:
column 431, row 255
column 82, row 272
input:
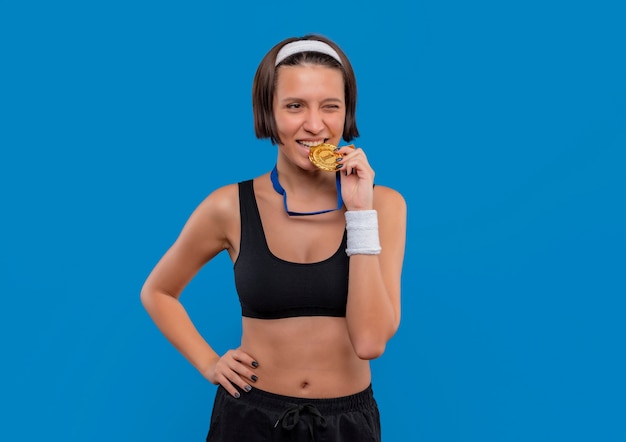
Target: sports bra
column 272, row 288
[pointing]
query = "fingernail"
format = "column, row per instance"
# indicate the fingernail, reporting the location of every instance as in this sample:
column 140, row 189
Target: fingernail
column 254, row 378
column 247, row 388
column 255, row 364
column 339, row 159
column 237, row 395
column 339, row 166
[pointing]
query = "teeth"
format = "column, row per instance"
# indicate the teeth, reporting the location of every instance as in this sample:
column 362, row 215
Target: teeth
column 312, row 143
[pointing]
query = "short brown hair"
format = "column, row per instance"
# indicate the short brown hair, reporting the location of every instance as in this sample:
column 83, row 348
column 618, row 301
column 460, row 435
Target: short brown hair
column 264, row 86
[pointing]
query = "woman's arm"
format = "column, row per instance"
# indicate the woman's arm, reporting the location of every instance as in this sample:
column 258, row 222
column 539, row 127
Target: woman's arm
column 373, row 310
column 207, row 232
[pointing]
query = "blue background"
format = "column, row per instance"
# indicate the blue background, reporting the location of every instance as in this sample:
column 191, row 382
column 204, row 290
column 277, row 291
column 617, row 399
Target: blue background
column 502, row 123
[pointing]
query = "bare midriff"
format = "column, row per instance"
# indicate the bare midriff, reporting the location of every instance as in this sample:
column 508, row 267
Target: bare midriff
column 309, row 357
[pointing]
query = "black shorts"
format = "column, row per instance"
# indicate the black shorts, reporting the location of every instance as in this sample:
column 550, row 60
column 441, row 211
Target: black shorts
column 262, row 416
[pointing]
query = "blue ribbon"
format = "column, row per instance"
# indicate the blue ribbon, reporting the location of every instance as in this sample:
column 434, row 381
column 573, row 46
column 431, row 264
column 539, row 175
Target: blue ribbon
column 279, row 189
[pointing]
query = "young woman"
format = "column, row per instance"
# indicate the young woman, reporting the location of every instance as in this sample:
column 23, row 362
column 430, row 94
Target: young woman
column 317, row 251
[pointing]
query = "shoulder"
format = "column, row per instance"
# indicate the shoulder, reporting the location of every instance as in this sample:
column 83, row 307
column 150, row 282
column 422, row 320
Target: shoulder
column 388, row 199
column 213, row 225
column 221, row 205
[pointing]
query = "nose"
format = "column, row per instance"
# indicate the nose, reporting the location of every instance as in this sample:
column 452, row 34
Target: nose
column 314, row 121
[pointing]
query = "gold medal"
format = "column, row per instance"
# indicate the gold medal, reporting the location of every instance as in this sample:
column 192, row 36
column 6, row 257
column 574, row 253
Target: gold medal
column 324, row 157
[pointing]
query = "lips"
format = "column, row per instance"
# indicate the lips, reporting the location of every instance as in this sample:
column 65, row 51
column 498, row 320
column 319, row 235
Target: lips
column 310, row 144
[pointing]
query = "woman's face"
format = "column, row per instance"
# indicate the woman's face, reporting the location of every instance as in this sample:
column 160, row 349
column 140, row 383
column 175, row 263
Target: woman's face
column 309, row 108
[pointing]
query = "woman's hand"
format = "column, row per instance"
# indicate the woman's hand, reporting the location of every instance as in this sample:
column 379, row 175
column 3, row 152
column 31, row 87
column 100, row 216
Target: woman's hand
column 357, row 179
column 234, row 368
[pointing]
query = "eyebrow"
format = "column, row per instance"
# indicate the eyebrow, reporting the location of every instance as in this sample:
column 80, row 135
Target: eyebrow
column 326, row 100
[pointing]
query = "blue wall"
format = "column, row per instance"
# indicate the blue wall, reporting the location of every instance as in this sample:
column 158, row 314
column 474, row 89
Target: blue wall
column 502, row 123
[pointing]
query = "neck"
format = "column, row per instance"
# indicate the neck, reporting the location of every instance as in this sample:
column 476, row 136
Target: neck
column 278, row 187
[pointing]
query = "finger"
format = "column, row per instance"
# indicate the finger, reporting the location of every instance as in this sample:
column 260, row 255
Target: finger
column 353, row 155
column 225, row 374
column 246, row 365
column 246, row 368
column 230, row 379
column 228, row 385
column 345, row 150
column 245, row 358
column 356, row 165
column 234, row 380
column 242, row 365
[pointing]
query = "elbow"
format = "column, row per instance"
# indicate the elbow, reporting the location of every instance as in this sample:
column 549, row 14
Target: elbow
column 368, row 349
column 152, row 299
column 371, row 345
column 147, row 299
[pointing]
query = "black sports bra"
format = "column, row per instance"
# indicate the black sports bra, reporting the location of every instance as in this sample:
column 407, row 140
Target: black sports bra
column 272, row 288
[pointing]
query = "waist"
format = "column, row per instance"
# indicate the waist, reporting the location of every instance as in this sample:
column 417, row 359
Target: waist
column 327, row 406
column 304, row 357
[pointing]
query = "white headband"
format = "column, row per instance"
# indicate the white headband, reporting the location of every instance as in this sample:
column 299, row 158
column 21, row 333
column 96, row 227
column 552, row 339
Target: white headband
column 298, row 46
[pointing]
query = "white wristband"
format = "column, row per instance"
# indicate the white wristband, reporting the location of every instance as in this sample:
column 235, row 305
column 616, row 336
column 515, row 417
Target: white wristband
column 362, row 228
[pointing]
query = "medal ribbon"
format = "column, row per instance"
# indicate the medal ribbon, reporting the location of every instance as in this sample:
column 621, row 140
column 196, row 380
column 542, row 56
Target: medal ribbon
column 279, row 189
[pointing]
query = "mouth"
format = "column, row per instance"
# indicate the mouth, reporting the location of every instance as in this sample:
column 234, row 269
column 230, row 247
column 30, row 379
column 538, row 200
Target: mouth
column 311, row 143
